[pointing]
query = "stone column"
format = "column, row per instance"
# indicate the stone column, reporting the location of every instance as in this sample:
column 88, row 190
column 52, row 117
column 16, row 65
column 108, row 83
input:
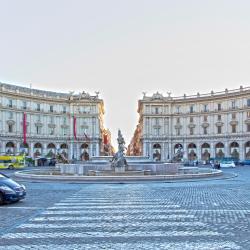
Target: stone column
column 242, row 150
column 212, row 150
column 31, row 151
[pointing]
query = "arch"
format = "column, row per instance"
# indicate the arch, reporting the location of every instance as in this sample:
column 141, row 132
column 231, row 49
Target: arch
column 191, row 145
column 38, row 145
column 64, row 146
column 247, row 150
column 156, row 152
column 51, row 145
column 84, row 146
column 10, row 144
column 219, row 150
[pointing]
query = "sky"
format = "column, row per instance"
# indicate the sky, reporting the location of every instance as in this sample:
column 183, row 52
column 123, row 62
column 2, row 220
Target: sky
column 123, row 48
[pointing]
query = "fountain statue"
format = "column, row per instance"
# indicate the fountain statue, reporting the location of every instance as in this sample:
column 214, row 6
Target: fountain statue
column 118, row 162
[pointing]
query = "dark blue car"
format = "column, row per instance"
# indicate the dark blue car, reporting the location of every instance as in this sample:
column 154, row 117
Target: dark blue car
column 245, row 162
column 10, row 190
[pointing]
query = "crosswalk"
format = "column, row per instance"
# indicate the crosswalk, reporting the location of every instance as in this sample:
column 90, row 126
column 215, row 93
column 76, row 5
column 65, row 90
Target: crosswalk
column 85, row 221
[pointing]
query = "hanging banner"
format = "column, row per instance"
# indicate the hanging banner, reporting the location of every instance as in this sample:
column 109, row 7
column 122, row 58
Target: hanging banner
column 105, row 139
column 24, row 127
column 74, row 127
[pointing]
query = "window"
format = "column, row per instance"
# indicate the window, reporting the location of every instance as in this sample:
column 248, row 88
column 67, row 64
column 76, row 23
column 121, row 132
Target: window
column 64, row 109
column 51, row 108
column 191, row 119
column 64, row 120
column 178, row 108
column 38, row 107
column 178, row 120
column 219, row 106
column 248, row 102
column 233, row 105
column 233, row 115
column 204, row 130
column 205, row 107
column 39, row 118
column 10, row 128
column 191, row 131
column 10, row 115
column 51, row 131
column 38, row 130
column 156, row 110
column 248, row 127
column 192, row 109
column 10, row 103
column 178, row 131
column 24, row 105
column 205, row 118
column 51, row 119
column 219, row 130
column 219, row 117
column 233, row 128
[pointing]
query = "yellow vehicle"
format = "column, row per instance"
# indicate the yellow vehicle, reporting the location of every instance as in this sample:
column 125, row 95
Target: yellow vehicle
column 11, row 161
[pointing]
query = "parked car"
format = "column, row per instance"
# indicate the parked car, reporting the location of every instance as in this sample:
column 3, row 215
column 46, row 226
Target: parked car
column 43, row 161
column 10, row 190
column 245, row 162
column 227, row 164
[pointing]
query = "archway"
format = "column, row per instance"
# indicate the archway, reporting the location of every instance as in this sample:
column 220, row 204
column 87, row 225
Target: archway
column 51, row 150
column 157, row 152
column 219, row 150
column 10, row 147
column 84, row 152
column 178, row 152
column 192, row 154
column 37, row 149
column 205, row 152
column 24, row 148
column 234, row 150
column 64, row 150
column 247, row 150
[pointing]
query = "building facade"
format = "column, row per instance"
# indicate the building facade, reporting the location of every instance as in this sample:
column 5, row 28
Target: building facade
column 201, row 126
column 43, row 123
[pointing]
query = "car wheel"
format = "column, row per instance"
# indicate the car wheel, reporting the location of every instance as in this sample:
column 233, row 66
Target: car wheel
column 11, row 167
column 1, row 199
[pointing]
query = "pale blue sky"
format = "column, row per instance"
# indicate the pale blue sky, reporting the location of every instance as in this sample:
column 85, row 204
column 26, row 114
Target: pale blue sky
column 122, row 48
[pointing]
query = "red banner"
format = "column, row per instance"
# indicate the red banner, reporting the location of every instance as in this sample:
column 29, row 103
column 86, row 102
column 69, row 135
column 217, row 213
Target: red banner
column 74, row 127
column 24, row 127
column 105, row 139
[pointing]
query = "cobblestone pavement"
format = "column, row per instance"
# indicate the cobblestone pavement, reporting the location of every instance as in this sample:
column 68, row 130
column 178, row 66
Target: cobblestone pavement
column 202, row 214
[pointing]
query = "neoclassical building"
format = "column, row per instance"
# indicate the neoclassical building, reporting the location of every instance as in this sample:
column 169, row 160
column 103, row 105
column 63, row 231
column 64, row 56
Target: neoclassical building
column 202, row 126
column 43, row 123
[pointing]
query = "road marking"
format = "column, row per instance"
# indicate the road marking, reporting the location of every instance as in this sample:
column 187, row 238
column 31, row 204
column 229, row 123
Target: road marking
column 103, row 234
column 113, row 218
column 111, row 212
column 22, row 208
column 186, row 245
column 117, row 225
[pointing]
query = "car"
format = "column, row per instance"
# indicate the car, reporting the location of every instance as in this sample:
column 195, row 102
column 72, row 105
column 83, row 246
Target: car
column 227, row 164
column 245, row 162
column 10, row 191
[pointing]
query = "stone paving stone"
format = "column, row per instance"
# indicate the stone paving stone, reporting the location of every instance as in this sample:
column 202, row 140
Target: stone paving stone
column 210, row 215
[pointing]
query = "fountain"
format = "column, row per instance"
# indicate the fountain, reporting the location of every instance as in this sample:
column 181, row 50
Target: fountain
column 120, row 168
column 119, row 163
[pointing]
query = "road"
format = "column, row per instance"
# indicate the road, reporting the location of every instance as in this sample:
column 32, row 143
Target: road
column 182, row 215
